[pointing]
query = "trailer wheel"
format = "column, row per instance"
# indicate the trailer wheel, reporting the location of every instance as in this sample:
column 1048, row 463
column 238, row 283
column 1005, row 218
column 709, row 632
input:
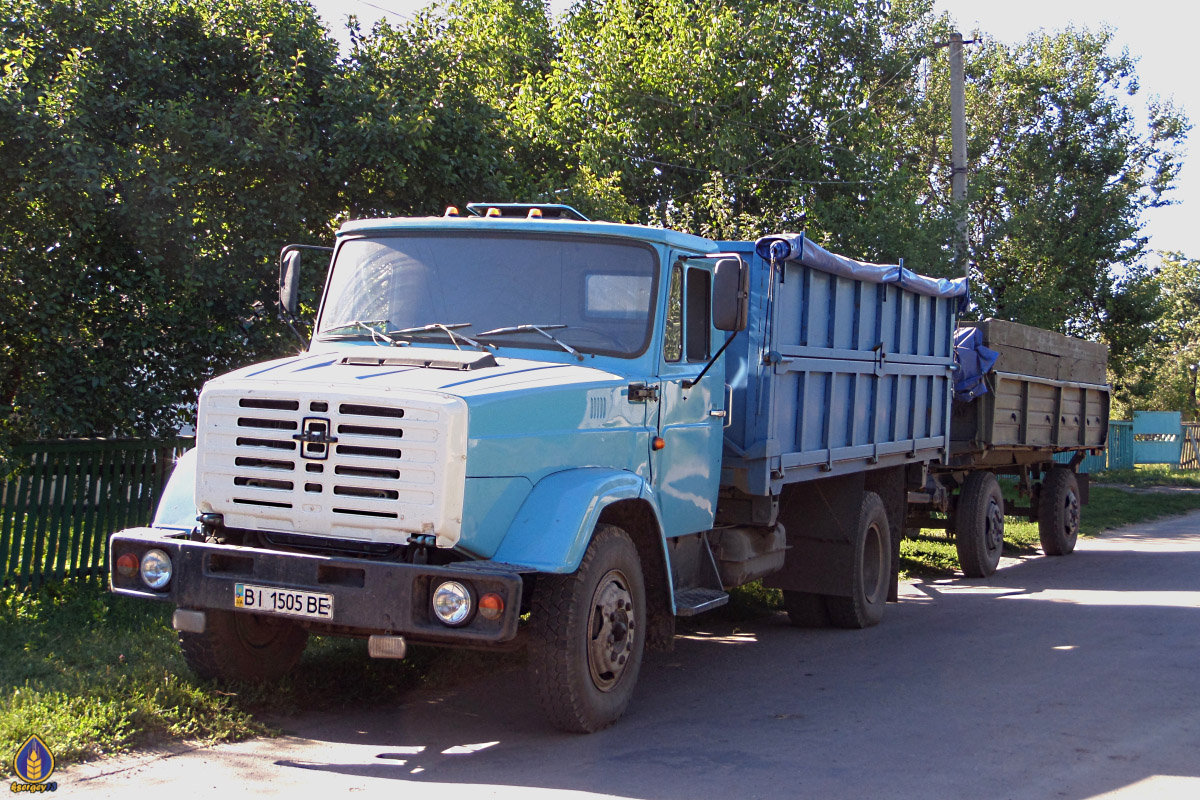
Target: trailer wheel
column 1058, row 512
column 806, row 609
column 979, row 525
column 872, row 567
column 588, row 631
column 243, row 647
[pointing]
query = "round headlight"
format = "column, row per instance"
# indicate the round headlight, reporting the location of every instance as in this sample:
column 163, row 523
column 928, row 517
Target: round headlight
column 156, row 569
column 452, row 603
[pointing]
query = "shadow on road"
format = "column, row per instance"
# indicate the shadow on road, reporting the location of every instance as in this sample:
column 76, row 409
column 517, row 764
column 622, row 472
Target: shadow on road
column 1062, row 677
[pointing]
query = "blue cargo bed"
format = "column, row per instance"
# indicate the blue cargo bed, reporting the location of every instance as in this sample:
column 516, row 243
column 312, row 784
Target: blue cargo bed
column 843, row 367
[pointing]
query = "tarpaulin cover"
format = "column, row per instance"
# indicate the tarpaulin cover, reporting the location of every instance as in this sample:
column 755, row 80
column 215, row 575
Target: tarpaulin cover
column 795, row 247
column 974, row 361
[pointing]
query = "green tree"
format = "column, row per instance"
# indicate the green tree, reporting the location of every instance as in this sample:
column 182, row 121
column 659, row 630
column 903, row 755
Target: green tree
column 1163, row 373
column 153, row 157
column 1060, row 181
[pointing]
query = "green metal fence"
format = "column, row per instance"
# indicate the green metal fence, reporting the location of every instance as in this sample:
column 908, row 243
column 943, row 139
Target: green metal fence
column 69, row 495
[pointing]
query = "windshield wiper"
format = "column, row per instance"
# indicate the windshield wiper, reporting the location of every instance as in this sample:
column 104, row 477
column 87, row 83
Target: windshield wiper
column 539, row 329
column 448, row 330
column 344, row 332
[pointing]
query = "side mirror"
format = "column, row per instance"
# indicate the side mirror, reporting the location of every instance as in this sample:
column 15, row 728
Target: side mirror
column 731, row 295
column 289, row 282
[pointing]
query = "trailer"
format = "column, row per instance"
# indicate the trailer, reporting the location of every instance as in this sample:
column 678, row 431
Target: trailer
column 519, row 428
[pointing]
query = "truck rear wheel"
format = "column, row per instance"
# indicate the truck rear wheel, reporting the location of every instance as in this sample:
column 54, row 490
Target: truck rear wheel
column 588, row 634
column 243, row 647
column 979, row 525
column 1058, row 512
column 806, row 609
column 872, row 570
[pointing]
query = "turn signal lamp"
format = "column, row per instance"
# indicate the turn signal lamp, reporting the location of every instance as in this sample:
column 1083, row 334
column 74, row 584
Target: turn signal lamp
column 127, row 565
column 534, row 213
column 658, row 443
column 452, row 211
column 491, row 606
column 493, row 212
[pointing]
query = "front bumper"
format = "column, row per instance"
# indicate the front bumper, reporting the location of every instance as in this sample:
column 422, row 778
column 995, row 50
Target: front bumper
column 370, row 597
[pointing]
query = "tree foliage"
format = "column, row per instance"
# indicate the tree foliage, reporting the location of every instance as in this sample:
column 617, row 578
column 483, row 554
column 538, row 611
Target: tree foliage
column 155, row 154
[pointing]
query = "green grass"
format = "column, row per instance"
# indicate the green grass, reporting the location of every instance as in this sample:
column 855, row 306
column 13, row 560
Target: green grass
column 932, row 553
column 95, row 673
column 1149, row 475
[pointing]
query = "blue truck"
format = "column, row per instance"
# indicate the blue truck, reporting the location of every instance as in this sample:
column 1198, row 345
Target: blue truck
column 516, row 427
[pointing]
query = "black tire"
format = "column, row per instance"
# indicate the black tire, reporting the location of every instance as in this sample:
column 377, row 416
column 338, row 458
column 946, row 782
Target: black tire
column 806, row 609
column 979, row 525
column 243, row 647
column 588, row 632
column 1058, row 512
column 872, row 570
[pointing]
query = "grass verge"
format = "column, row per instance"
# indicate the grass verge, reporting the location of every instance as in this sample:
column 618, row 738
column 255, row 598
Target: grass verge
column 94, row 673
column 932, row 553
column 1149, row 475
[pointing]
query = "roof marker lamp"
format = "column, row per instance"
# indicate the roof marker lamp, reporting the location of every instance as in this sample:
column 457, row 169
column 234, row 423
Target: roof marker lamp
column 534, row 213
column 452, row 211
column 493, row 212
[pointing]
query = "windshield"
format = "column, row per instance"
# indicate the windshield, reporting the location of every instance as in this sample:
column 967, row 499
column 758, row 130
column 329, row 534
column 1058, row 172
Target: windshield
column 595, row 293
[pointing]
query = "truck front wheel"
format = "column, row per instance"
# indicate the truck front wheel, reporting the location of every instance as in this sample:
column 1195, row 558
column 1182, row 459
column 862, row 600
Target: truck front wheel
column 1058, row 512
column 243, row 647
column 588, row 633
column 979, row 525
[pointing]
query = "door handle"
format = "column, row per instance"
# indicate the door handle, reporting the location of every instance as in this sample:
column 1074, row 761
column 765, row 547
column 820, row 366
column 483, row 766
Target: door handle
column 725, row 413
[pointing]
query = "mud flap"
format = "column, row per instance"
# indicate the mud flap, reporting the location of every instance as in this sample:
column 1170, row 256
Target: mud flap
column 820, row 518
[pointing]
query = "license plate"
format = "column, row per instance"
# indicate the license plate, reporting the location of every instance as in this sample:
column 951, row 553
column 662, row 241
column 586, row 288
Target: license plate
column 278, row 600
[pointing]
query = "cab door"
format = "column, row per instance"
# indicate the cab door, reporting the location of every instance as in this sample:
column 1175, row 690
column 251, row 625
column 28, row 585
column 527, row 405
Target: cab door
column 687, row 468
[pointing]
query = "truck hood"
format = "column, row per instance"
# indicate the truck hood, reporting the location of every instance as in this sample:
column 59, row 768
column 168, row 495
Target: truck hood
column 465, row 374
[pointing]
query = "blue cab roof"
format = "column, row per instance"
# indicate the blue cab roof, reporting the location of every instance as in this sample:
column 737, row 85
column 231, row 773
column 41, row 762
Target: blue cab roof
column 641, row 233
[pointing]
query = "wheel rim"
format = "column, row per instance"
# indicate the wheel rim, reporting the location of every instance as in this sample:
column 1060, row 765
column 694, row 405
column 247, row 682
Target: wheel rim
column 873, row 567
column 993, row 528
column 611, row 630
column 1070, row 516
column 256, row 631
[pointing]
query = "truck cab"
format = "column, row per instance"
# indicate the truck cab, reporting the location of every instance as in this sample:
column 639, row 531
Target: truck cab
column 498, row 414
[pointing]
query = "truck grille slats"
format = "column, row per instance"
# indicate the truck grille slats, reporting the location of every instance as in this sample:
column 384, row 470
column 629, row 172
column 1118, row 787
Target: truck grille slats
column 367, row 452
column 276, row 424
column 354, row 409
column 278, row 405
column 360, row 483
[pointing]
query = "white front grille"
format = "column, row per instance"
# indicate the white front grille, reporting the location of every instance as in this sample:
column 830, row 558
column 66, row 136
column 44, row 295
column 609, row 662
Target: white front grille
column 374, row 468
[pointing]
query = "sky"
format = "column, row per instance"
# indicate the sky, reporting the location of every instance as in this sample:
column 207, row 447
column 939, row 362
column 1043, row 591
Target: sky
column 1151, row 30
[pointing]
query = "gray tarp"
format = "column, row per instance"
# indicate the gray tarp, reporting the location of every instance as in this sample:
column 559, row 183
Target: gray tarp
column 795, row 247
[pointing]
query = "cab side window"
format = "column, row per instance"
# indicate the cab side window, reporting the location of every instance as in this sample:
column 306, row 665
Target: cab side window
column 673, row 335
column 699, row 313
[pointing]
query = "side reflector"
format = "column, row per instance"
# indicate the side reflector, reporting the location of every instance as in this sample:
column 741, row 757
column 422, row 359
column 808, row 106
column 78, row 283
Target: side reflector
column 491, row 606
column 657, row 443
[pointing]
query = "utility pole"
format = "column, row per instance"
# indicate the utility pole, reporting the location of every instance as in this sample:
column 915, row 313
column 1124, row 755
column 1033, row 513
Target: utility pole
column 958, row 153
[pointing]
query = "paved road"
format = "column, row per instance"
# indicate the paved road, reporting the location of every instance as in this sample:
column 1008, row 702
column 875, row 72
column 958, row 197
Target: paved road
column 1058, row 678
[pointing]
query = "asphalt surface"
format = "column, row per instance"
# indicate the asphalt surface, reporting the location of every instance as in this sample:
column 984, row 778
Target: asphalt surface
column 1057, row 678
